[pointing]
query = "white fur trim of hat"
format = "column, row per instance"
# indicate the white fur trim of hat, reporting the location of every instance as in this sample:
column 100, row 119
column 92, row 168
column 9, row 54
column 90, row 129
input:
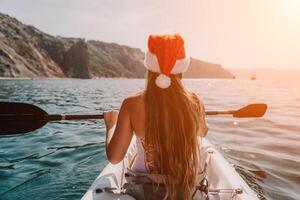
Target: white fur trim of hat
column 163, row 81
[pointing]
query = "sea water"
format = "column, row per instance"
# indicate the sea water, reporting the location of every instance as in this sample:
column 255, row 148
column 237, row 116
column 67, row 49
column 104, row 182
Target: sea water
column 61, row 160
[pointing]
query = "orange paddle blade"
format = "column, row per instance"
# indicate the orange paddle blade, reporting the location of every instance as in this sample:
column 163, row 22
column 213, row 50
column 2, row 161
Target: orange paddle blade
column 252, row 110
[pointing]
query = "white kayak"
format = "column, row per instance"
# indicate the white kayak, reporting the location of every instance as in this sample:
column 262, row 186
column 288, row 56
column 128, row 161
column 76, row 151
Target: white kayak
column 224, row 181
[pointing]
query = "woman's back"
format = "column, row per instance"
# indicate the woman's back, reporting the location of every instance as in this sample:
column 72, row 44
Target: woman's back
column 136, row 105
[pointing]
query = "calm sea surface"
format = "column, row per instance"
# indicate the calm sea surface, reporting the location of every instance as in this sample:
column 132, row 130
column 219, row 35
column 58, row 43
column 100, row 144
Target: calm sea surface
column 61, row 160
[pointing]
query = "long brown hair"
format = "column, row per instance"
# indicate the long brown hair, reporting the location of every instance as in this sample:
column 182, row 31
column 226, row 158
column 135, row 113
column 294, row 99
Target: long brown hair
column 173, row 118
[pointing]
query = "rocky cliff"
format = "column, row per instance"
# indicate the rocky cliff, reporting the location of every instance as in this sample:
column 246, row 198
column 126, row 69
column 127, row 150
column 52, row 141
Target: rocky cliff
column 28, row 52
column 113, row 60
column 76, row 61
column 23, row 51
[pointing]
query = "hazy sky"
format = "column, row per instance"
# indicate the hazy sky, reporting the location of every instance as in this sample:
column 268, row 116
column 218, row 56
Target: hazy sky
column 235, row 33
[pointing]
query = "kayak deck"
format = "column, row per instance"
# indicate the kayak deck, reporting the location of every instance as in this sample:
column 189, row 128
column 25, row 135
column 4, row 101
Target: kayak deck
column 224, row 181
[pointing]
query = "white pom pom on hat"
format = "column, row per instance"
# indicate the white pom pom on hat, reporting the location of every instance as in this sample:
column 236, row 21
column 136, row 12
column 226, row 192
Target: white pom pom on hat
column 166, row 55
column 163, row 81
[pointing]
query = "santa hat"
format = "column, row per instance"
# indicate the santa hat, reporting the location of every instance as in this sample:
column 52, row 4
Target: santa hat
column 166, row 55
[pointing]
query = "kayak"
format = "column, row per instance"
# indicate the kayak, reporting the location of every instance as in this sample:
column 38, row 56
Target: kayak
column 223, row 180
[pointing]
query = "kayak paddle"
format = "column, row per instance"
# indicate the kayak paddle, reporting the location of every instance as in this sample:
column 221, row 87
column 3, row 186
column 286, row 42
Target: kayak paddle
column 16, row 118
column 251, row 110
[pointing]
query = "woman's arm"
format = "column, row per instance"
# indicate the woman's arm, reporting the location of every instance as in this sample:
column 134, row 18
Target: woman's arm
column 118, row 133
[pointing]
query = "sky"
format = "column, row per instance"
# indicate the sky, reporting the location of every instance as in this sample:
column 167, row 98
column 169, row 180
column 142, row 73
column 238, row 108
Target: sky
column 235, row 33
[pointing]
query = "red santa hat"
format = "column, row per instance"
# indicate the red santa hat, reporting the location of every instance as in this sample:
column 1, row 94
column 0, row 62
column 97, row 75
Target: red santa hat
column 166, row 55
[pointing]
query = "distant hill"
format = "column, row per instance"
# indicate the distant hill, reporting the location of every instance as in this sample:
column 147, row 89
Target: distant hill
column 28, row 52
column 203, row 69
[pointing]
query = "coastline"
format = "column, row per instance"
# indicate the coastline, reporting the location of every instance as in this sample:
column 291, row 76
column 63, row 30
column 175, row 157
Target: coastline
column 61, row 78
column 29, row 78
column 15, row 78
column 98, row 78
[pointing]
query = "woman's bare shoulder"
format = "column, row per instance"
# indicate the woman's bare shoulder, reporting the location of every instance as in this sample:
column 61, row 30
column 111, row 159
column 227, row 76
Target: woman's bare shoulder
column 134, row 100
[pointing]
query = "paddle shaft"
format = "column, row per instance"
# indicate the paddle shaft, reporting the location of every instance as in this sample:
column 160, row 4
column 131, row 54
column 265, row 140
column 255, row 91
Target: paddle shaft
column 25, row 117
column 229, row 112
column 29, row 117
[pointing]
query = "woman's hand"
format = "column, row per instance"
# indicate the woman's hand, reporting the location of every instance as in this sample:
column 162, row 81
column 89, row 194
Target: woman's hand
column 110, row 118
